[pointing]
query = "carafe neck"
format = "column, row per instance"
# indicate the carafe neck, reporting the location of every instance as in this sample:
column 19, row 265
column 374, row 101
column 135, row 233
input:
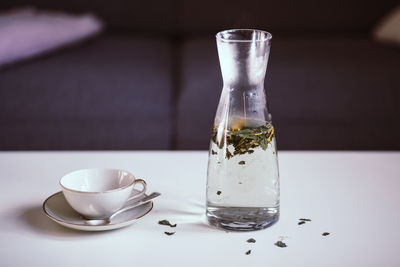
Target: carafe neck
column 243, row 57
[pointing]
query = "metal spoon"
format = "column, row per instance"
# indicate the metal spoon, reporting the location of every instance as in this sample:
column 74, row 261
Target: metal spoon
column 107, row 220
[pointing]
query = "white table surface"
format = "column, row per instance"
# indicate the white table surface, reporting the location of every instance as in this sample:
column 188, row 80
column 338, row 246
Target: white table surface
column 354, row 196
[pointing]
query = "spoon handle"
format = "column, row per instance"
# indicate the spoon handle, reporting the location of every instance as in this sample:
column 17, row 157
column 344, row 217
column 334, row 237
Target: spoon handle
column 136, row 204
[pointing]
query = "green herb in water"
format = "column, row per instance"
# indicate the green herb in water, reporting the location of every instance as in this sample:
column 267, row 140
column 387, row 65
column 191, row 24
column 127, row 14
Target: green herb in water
column 228, row 154
column 244, row 140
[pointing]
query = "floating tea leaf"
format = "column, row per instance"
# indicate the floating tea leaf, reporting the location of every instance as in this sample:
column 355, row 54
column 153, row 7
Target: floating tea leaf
column 228, row 154
column 302, row 222
column 219, row 193
column 280, row 244
column 325, row 234
column 251, row 240
column 248, row 252
column 169, row 233
column 213, row 152
column 305, row 220
column 263, row 144
column 242, row 162
column 166, row 222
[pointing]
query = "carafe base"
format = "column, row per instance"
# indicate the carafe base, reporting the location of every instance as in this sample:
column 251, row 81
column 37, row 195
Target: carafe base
column 242, row 218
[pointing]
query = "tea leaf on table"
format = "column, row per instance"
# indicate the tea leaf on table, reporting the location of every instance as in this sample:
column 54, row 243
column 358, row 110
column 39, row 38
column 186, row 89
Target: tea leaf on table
column 325, row 234
column 169, row 233
column 248, row 252
column 251, row 240
column 280, row 244
column 166, row 222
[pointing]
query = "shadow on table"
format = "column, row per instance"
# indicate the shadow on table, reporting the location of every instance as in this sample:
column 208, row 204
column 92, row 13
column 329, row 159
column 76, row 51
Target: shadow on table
column 37, row 221
column 192, row 215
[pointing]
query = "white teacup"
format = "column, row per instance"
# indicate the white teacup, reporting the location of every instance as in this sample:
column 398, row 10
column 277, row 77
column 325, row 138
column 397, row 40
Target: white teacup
column 98, row 193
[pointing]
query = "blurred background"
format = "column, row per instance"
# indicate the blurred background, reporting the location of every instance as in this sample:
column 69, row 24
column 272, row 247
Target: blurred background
column 128, row 74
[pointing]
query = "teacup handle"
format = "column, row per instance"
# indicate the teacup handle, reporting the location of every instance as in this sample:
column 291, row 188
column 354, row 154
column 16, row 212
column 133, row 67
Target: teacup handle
column 141, row 193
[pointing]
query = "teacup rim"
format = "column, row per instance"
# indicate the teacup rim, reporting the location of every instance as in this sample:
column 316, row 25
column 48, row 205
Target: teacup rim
column 98, row 192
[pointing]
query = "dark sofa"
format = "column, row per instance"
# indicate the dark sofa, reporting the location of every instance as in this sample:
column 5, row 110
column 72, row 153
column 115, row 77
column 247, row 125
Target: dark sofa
column 152, row 80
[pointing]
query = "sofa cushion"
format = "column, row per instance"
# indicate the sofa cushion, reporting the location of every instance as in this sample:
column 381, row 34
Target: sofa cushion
column 209, row 16
column 388, row 29
column 284, row 17
column 323, row 93
column 150, row 16
column 27, row 32
column 111, row 93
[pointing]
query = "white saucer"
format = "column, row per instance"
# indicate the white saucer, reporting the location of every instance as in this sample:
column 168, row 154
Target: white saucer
column 57, row 208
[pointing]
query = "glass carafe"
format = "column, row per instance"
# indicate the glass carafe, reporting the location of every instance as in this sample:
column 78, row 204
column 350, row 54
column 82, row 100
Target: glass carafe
column 243, row 176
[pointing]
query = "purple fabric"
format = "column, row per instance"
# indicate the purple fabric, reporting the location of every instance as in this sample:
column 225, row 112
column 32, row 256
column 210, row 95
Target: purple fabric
column 26, row 32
